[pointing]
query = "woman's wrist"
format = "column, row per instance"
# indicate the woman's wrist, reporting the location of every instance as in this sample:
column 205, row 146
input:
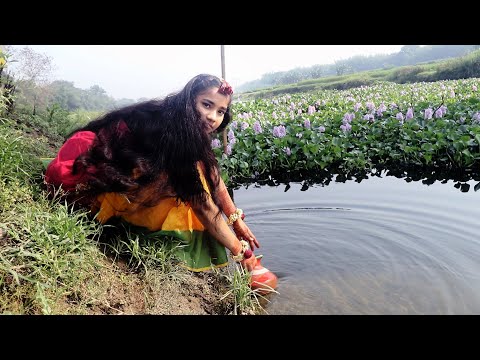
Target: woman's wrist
column 237, row 248
column 243, row 253
column 233, row 217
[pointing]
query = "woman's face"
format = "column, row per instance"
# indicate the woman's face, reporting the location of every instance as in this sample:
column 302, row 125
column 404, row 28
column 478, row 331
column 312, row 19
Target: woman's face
column 212, row 107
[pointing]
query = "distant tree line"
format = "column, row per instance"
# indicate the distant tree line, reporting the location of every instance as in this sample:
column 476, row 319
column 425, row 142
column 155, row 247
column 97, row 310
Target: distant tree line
column 461, row 67
column 408, row 55
column 71, row 98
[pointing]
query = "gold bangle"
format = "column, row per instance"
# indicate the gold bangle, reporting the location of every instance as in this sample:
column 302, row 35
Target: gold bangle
column 241, row 254
column 235, row 216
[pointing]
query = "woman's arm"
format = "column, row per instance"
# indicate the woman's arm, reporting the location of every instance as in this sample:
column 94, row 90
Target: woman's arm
column 241, row 229
column 218, row 228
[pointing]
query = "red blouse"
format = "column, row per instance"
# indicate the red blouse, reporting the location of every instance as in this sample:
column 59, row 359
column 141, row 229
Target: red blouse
column 59, row 171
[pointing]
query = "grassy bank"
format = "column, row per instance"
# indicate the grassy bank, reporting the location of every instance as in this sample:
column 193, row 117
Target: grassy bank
column 56, row 260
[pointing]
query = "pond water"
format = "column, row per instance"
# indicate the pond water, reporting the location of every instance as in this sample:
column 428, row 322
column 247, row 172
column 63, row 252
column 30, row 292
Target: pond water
column 379, row 246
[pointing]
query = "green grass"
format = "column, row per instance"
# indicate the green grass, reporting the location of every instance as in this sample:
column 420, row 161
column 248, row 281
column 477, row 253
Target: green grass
column 244, row 299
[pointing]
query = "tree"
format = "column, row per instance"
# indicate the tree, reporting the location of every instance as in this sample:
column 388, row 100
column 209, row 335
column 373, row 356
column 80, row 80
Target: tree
column 31, row 66
column 342, row 68
column 32, row 73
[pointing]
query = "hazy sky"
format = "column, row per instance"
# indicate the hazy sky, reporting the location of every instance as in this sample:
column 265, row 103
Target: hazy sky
column 135, row 71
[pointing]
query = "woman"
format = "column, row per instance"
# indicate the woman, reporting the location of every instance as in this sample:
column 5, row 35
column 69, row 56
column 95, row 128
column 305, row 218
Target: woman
column 151, row 164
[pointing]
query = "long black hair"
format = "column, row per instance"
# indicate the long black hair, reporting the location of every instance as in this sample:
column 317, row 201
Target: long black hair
column 162, row 139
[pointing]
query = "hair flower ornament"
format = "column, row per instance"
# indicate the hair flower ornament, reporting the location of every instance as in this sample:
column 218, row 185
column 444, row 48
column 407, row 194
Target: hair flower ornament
column 225, row 88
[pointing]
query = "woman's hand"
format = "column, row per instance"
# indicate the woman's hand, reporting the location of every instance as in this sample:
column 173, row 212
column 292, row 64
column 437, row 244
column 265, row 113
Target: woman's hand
column 249, row 263
column 243, row 232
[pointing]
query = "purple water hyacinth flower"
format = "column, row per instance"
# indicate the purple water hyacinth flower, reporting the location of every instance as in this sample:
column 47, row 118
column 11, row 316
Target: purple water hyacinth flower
column 274, row 115
column 299, row 112
column 257, row 128
column 232, row 141
column 234, row 124
column 311, row 110
column 279, row 131
column 439, row 113
column 244, row 125
column 399, row 116
column 370, row 106
column 346, row 127
column 260, row 113
column 292, row 106
column 428, row 114
column 476, row 117
column 348, row 117
column 452, row 94
column 357, row 106
column 409, row 114
column 216, row 144
column 306, row 124
column 474, row 88
column 393, row 106
column 321, row 128
column 350, row 98
column 368, row 117
column 230, row 135
column 381, row 109
column 287, row 151
column 229, row 149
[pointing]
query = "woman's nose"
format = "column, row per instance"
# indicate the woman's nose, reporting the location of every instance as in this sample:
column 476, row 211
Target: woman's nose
column 211, row 115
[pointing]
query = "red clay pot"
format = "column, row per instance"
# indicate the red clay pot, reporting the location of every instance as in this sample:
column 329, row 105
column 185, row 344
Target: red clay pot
column 262, row 279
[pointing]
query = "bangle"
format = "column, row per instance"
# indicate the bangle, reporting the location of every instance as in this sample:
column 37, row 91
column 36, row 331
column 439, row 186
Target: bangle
column 235, row 216
column 244, row 253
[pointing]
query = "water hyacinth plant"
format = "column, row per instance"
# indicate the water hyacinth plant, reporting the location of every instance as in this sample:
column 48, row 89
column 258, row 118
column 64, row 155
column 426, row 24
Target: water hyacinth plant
column 429, row 125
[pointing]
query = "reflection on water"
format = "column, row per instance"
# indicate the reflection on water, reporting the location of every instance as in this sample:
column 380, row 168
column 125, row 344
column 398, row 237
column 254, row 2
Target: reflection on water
column 384, row 245
column 463, row 180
